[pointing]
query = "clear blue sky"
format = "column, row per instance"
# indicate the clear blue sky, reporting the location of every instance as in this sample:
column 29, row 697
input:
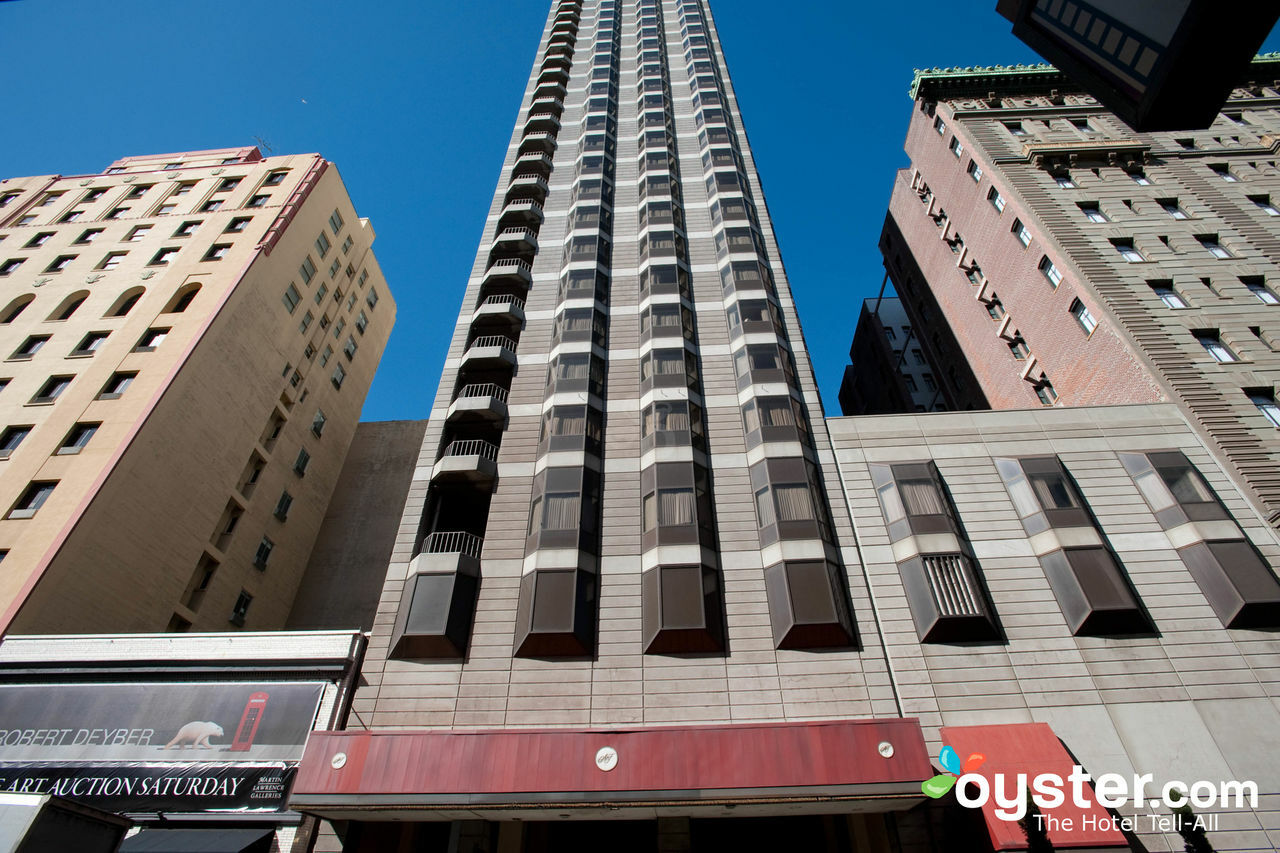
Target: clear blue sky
column 415, row 102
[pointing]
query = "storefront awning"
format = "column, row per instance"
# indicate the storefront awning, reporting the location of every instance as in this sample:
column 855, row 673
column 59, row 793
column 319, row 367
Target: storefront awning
column 199, row 841
column 872, row 764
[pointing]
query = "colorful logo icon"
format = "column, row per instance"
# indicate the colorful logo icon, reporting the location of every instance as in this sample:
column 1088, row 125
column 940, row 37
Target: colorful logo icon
column 950, row 761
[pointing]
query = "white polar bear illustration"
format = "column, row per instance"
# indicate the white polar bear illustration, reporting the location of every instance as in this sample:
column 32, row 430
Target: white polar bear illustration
column 195, row 733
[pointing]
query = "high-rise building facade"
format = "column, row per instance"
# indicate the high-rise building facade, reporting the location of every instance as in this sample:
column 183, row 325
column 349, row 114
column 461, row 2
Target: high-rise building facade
column 1068, row 260
column 644, row 596
column 187, row 343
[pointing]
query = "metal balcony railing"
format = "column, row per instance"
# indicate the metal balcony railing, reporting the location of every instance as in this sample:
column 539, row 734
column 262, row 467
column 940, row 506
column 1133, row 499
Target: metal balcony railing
column 452, row 542
column 504, row 265
column 503, row 299
column 492, row 341
column 483, row 389
column 471, row 447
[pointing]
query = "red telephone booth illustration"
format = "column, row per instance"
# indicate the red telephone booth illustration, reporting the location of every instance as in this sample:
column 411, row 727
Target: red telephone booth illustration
column 249, row 720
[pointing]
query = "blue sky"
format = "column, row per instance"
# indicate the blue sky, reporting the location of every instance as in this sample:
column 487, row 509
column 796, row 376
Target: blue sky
column 379, row 88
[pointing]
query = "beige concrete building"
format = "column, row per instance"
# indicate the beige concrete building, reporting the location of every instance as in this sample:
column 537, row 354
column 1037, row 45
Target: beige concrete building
column 187, row 340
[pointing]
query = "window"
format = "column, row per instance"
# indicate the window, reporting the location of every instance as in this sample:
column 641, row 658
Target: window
column 346, row 247
column 349, row 349
column 317, row 423
column 372, row 298
column 26, row 220
column 1212, row 246
column 275, row 179
column 308, row 270
column 125, row 303
column 1264, row 204
column 351, row 301
column 1223, row 171
column 151, row 339
column 32, row 499
column 333, row 267
column 116, row 213
column 8, row 198
column 186, row 229
column 241, row 610
column 1045, row 392
column 335, row 222
column 90, row 343
column 38, row 240
column 60, row 263
column 1264, row 293
column 1015, row 128
column 339, row 376
column 321, row 292
column 111, row 261
column 300, row 464
column 305, row 322
column 49, row 199
column 11, row 265
column 975, row 171
column 116, row 386
column 1170, row 206
column 14, row 308
column 139, row 191
column 1169, row 296
column 1187, row 143
column 51, row 389
column 259, row 200
column 282, row 505
column 165, row 209
column 1020, row 231
column 88, row 236
column 182, row 299
column 183, row 188
column 1064, row 182
column 163, row 257
column 11, row 438
column 1215, row 347
column 1092, row 212
column 957, row 147
column 227, row 185
column 71, row 216
column 1018, row 347
column 138, row 232
column 291, row 299
column 940, row 126
column 1266, row 403
column 1083, row 317
column 77, row 439
column 362, row 322
column 169, row 167
column 995, row 308
column 29, row 348
column 262, row 555
column 322, row 244
column 997, row 200
column 1081, row 124
column 309, row 352
column 238, row 224
column 211, row 205
column 1050, row 271
column 1127, row 251
column 216, row 252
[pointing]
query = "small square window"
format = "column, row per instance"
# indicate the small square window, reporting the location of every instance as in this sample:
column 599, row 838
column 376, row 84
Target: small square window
column 71, row 216
column 292, row 298
column 1045, row 392
column 1223, row 171
column 227, row 185
column 90, row 343
column 1018, row 347
column 165, row 209
column 211, row 205
column 300, row 464
column 1212, row 246
column 1083, row 316
column 1264, row 204
column 241, row 610
column 1139, row 177
column 1127, row 251
column 362, row 322
column 1015, row 128
column 275, row 179
column 32, row 499
column 88, row 236
column 263, row 554
column 940, row 126
column 139, row 191
column 317, row 423
column 975, row 171
column 1170, row 206
column 116, row 386
column 76, row 440
column 169, row 167
column 38, row 240
column 282, row 505
column 137, row 233
column 339, row 376
column 26, row 220
column 1266, row 403
column 957, row 147
column 184, row 188
column 49, row 199
column 29, row 348
column 1081, row 124
column 1262, row 292
column 8, row 198
column 350, row 347
column 333, row 267
column 322, row 244
column 186, row 229
column 1050, row 271
column 997, row 200
column 11, row 438
column 11, row 265
column 1092, row 211
column 1215, row 347
column 60, row 263
column 346, row 244
column 163, row 257
column 321, row 292
column 216, row 252
column 308, row 270
column 335, row 222
column 51, row 389
column 238, row 224
column 116, row 213
column 111, row 261
column 372, row 299
column 1020, row 231
column 326, row 355
column 258, row 200
column 306, row 322
column 1168, row 295
column 151, row 339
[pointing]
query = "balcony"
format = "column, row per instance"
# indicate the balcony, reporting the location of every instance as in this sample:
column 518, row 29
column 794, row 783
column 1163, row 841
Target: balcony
column 541, row 141
column 515, row 241
column 554, row 106
column 489, row 351
column 547, row 122
column 562, row 48
column 506, row 272
column 439, row 598
column 470, row 461
column 553, row 74
column 521, row 211
column 480, row 401
column 550, row 89
column 533, row 163
column 502, row 307
column 527, row 185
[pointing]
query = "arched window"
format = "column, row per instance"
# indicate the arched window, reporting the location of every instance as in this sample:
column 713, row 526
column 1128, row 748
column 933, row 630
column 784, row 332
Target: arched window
column 16, row 307
column 69, row 306
column 125, row 303
column 182, row 298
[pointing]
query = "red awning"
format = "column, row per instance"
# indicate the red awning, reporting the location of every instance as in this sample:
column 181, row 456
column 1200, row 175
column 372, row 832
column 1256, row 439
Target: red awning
column 1032, row 749
column 353, row 773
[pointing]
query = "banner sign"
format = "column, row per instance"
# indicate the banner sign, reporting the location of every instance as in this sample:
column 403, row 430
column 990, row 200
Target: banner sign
column 132, row 787
column 150, row 723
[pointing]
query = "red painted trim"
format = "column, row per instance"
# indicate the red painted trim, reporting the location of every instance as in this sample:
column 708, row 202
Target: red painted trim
column 778, row 759
column 291, row 207
column 1032, row 748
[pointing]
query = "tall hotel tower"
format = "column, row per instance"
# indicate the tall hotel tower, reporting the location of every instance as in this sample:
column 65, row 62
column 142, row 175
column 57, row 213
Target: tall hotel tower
column 621, row 546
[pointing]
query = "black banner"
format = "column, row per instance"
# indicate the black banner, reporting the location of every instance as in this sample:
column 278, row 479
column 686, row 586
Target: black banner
column 134, row 787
